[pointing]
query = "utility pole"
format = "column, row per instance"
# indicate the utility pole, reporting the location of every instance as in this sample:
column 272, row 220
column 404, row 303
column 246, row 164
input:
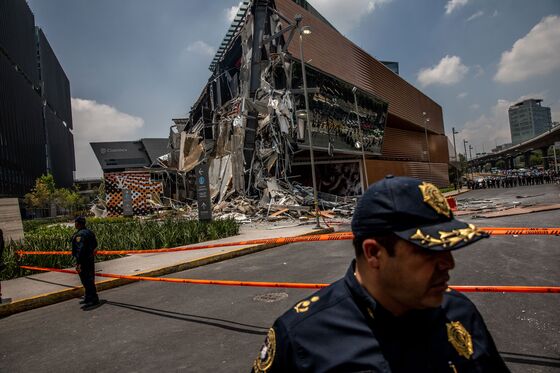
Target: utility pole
column 470, row 155
column 465, row 142
column 456, row 160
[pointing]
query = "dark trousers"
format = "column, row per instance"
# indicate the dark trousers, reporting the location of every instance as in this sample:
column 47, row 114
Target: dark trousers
column 87, row 276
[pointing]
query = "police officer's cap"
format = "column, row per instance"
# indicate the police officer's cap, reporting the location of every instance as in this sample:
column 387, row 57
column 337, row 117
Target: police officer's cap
column 414, row 211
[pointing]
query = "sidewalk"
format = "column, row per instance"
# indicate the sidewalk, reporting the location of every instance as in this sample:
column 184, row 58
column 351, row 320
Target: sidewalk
column 455, row 193
column 47, row 288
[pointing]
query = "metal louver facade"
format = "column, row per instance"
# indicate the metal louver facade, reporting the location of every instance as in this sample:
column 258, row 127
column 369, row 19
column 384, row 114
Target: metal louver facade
column 404, row 145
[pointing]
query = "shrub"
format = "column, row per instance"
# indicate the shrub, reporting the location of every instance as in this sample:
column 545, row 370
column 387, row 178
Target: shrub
column 112, row 234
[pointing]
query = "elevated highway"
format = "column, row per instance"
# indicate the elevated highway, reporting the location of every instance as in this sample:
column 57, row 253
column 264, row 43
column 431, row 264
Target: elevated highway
column 540, row 143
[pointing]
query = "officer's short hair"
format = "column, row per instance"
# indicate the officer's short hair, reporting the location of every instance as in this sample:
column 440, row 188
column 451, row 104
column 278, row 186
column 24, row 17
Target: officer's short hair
column 388, row 241
column 80, row 220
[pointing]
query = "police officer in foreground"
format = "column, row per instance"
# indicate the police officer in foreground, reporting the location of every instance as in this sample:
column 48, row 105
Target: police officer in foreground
column 393, row 311
column 84, row 244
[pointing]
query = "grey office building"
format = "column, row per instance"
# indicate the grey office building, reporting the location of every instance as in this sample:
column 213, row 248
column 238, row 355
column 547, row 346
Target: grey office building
column 35, row 111
column 528, row 119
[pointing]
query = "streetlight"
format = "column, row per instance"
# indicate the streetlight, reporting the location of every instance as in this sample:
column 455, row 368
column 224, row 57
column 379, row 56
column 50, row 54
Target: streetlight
column 456, row 160
column 306, row 30
column 354, row 89
column 426, row 120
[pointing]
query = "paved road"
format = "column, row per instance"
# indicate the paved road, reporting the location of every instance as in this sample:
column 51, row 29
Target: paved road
column 146, row 327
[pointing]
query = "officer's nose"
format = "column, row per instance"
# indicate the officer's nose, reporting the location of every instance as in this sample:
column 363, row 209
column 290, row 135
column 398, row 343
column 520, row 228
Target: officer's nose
column 446, row 261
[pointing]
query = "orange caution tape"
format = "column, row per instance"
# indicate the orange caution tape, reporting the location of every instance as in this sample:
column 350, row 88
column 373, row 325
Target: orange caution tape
column 285, row 240
column 280, row 241
column 296, row 285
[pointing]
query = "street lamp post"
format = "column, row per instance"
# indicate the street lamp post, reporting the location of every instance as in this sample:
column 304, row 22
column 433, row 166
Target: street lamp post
column 470, row 155
column 426, row 120
column 456, row 160
column 306, row 30
column 354, row 89
column 465, row 142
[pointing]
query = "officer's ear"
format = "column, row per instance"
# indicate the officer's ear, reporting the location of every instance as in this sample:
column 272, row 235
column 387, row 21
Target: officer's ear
column 371, row 251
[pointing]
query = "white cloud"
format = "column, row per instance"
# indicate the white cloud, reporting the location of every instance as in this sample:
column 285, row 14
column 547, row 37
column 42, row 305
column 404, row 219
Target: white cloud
column 487, row 130
column 479, row 71
column 462, row 95
column 448, row 71
column 95, row 122
column 475, row 106
column 495, row 13
column 231, row 12
column 537, row 53
column 201, row 48
column 454, row 4
column 345, row 15
column 480, row 13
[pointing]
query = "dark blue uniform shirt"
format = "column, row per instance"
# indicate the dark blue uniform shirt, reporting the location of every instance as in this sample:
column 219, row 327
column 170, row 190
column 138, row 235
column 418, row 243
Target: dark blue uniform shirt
column 83, row 245
column 341, row 328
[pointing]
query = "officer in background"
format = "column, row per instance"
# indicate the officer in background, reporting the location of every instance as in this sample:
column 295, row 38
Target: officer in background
column 393, row 311
column 84, row 244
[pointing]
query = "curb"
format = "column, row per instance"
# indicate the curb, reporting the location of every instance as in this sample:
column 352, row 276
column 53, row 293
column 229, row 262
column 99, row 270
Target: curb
column 46, row 299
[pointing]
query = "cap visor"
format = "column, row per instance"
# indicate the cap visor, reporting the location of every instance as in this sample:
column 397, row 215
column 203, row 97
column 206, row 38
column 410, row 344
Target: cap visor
column 445, row 236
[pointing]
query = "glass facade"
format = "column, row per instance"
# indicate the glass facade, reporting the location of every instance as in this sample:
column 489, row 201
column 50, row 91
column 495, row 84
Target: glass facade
column 528, row 119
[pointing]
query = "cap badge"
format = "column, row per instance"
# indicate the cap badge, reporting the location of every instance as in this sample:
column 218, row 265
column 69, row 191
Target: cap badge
column 303, row 306
column 434, row 198
column 448, row 239
column 460, row 339
column 266, row 356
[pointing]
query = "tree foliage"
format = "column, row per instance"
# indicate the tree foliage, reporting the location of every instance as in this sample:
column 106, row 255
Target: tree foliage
column 45, row 193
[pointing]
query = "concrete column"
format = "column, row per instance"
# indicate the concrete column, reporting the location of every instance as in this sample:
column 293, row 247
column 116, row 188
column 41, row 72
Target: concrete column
column 509, row 163
column 527, row 159
column 544, row 151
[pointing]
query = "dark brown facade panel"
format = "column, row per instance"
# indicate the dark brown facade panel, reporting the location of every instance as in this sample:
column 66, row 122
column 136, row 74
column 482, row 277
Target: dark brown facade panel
column 439, row 152
column 408, row 145
column 331, row 52
column 435, row 173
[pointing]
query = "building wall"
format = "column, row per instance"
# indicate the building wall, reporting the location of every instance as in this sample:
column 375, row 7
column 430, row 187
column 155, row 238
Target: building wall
column 141, row 186
column 22, row 138
column 17, row 37
column 56, row 84
column 24, row 121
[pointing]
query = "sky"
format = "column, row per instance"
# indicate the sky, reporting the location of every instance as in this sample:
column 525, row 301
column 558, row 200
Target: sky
column 133, row 65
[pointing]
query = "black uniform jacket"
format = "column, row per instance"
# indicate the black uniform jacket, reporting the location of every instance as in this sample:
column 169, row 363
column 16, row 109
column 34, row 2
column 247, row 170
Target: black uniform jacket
column 342, row 329
column 83, row 245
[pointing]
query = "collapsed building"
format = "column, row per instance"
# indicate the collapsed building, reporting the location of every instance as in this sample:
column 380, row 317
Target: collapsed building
column 250, row 121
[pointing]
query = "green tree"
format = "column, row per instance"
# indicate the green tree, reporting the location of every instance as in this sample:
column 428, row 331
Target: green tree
column 535, row 159
column 501, row 164
column 43, row 194
column 69, row 199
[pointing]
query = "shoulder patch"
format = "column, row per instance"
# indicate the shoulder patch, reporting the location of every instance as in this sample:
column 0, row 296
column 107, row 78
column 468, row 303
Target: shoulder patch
column 78, row 238
column 303, row 306
column 460, row 339
column 266, row 356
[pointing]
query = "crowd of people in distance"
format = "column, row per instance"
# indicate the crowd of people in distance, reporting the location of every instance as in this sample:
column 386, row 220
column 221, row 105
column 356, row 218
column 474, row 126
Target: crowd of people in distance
column 514, row 178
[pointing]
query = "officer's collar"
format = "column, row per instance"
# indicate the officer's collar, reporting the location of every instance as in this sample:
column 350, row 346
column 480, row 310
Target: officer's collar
column 358, row 291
